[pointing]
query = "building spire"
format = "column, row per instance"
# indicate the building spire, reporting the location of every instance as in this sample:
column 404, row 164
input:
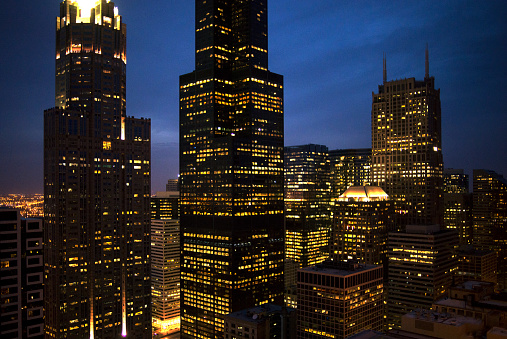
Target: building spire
column 385, row 68
column 427, row 75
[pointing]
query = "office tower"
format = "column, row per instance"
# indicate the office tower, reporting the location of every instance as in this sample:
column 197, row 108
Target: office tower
column 165, row 275
column 172, row 185
column 96, row 185
column 458, row 204
column 231, row 169
column 165, row 205
column 21, row 276
column 307, row 211
column 407, row 148
column 362, row 217
column 422, row 261
column 337, row 300
column 474, row 264
column 349, row 167
column 261, row 322
column 307, row 204
column 455, row 181
column 490, row 218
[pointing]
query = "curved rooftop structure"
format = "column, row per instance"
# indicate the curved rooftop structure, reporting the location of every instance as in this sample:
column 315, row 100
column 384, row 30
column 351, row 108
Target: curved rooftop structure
column 364, row 193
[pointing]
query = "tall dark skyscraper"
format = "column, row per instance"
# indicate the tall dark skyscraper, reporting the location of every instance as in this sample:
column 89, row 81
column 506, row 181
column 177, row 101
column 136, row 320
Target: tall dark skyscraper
column 407, row 148
column 96, row 185
column 231, row 167
column 490, row 218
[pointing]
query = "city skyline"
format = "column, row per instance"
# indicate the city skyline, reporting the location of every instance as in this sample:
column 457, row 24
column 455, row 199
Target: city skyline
column 329, row 53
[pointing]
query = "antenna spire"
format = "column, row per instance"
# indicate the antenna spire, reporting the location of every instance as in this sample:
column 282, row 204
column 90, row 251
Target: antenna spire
column 427, row 75
column 385, row 68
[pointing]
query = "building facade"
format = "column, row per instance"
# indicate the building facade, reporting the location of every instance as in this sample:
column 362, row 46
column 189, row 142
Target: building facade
column 349, row 167
column 231, row 169
column 362, row 218
column 165, row 205
column 474, row 264
column 165, row 275
column 407, row 148
column 458, row 204
column 490, row 218
column 337, row 300
column 96, row 185
column 21, row 271
column 422, row 261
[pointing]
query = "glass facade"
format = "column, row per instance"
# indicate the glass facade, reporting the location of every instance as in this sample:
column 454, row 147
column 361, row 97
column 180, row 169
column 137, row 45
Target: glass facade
column 231, row 169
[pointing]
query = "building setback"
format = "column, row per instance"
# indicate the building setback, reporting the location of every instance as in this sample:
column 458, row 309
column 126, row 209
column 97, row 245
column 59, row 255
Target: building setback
column 337, row 300
column 231, row 169
column 22, row 269
column 407, row 148
column 96, row 185
column 422, row 261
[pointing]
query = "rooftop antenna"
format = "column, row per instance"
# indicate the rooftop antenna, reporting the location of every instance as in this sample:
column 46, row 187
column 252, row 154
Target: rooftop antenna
column 385, row 68
column 427, row 75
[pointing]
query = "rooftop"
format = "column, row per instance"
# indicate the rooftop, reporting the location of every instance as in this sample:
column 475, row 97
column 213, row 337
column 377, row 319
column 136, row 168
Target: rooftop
column 364, row 193
column 340, row 268
column 258, row 314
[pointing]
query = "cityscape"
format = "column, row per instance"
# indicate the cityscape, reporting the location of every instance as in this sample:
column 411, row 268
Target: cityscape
column 240, row 219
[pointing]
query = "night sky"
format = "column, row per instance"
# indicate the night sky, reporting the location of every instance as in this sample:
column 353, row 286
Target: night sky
column 329, row 51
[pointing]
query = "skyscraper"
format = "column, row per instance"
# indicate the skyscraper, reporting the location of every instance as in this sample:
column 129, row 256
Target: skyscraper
column 490, row 218
column 458, row 204
column 307, row 211
column 407, row 148
column 96, row 185
column 362, row 217
column 21, row 276
column 165, row 275
column 422, row 261
column 231, row 169
column 349, row 167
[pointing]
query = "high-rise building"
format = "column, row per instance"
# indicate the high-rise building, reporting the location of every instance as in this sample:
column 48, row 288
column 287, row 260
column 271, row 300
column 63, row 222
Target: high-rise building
column 349, row 167
column 422, row 261
column 474, row 264
column 21, row 272
column 307, row 209
column 458, row 204
column 231, row 169
column 407, row 148
column 96, row 185
column 165, row 205
column 172, row 185
column 165, row 275
column 490, row 218
column 337, row 300
column 362, row 218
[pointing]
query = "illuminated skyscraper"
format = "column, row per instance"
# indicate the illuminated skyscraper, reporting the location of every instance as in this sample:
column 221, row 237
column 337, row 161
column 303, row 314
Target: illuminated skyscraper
column 96, row 185
column 307, row 210
column 165, row 205
column 458, row 204
column 349, row 167
column 165, row 275
column 362, row 218
column 231, row 167
column 337, row 300
column 422, row 261
column 490, row 218
column 407, row 148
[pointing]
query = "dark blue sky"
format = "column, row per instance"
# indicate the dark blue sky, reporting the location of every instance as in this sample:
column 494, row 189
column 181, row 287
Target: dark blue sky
column 329, row 51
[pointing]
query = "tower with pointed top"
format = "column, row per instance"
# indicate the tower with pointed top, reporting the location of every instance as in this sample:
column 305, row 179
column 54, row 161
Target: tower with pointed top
column 231, row 169
column 96, row 185
column 407, row 147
